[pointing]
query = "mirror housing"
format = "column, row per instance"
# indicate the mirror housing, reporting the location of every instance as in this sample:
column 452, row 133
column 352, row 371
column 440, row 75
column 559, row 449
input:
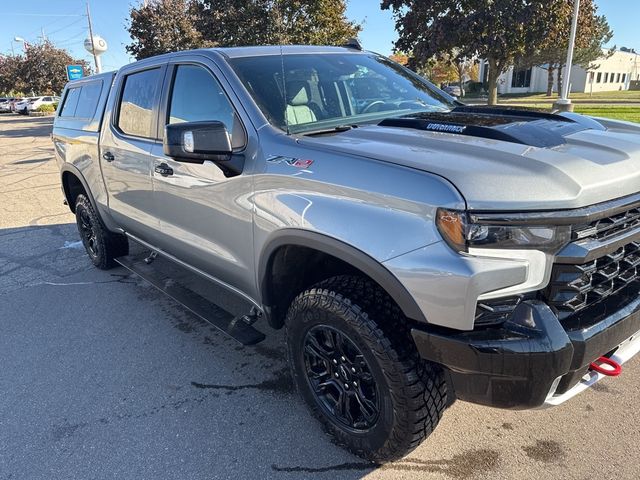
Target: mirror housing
column 196, row 142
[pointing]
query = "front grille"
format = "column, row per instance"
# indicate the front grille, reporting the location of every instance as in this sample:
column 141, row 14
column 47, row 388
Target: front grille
column 574, row 288
column 605, row 228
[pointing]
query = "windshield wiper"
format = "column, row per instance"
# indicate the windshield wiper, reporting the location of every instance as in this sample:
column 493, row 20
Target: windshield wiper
column 336, row 129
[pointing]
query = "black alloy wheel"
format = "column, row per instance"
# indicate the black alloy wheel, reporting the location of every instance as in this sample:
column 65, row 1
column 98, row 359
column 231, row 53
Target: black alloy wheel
column 340, row 377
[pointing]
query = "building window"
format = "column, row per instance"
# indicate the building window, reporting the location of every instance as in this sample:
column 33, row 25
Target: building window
column 612, row 79
column 624, row 77
column 618, row 78
column 599, row 77
column 521, row 78
column 606, row 77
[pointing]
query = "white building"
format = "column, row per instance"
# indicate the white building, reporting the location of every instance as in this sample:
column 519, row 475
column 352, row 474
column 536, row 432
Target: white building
column 612, row 73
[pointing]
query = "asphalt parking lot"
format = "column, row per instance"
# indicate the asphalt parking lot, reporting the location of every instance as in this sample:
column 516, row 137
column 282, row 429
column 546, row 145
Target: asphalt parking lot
column 101, row 376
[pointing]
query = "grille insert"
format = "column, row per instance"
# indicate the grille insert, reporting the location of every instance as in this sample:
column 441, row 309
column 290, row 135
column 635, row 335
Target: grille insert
column 607, row 227
column 575, row 287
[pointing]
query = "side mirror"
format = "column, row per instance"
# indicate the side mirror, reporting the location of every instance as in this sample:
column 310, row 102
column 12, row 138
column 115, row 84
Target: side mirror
column 195, row 142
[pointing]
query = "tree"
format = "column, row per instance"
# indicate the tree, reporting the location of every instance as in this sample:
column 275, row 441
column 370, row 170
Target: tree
column 551, row 51
column 399, row 57
column 41, row 70
column 162, row 26
column 461, row 64
column 438, row 70
column 169, row 25
column 9, row 79
column 498, row 30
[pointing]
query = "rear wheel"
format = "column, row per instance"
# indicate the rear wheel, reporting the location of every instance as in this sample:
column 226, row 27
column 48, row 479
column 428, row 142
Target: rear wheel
column 101, row 245
column 356, row 367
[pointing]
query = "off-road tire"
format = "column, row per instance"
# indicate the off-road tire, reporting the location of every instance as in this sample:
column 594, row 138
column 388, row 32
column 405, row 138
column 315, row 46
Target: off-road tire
column 101, row 245
column 412, row 392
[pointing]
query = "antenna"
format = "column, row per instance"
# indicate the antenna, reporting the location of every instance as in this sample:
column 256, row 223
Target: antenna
column 284, row 90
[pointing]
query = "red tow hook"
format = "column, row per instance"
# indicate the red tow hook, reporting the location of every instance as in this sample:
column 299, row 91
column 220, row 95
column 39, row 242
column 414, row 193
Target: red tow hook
column 614, row 370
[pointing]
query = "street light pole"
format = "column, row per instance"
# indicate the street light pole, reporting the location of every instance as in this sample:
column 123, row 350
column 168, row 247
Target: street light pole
column 564, row 102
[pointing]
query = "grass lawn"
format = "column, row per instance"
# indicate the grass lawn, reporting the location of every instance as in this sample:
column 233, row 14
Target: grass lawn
column 619, row 95
column 630, row 114
column 617, row 112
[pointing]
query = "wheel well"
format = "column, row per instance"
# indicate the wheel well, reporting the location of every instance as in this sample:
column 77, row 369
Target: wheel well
column 72, row 188
column 294, row 268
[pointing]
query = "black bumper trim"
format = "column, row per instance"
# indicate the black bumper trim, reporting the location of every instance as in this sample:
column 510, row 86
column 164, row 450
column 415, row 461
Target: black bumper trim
column 514, row 366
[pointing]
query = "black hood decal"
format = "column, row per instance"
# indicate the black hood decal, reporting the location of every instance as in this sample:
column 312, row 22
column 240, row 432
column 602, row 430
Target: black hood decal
column 528, row 127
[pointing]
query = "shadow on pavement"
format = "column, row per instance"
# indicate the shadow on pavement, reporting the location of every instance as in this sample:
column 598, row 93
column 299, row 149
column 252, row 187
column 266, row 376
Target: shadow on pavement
column 29, row 127
column 102, row 367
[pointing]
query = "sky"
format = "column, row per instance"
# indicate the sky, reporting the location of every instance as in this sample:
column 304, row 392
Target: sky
column 64, row 22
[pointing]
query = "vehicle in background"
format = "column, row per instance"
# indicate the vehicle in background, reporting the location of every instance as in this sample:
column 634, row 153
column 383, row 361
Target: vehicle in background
column 453, row 90
column 5, row 104
column 21, row 106
column 34, row 104
column 14, row 102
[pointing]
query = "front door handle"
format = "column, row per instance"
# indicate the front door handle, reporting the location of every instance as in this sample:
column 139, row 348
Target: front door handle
column 163, row 169
column 108, row 156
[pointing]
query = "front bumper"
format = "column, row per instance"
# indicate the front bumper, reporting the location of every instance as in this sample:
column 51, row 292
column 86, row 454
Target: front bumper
column 530, row 361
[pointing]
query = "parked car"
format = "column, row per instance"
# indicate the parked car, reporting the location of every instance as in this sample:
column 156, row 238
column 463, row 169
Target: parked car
column 35, row 103
column 14, row 102
column 21, row 106
column 9, row 104
column 416, row 249
column 453, row 90
column 5, row 104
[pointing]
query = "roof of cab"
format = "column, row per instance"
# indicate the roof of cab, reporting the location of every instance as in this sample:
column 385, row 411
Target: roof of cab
column 236, row 52
column 97, row 76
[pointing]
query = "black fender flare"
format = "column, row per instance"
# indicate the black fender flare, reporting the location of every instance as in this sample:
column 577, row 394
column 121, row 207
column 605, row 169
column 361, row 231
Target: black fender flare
column 72, row 169
column 343, row 251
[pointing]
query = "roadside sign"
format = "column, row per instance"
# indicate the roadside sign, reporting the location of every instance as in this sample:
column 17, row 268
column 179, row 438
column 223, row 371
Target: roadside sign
column 74, row 72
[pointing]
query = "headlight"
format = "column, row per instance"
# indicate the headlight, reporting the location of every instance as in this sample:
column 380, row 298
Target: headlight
column 461, row 234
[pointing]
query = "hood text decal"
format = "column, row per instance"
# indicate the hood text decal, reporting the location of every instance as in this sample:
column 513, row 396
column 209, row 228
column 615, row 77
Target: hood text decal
column 443, row 127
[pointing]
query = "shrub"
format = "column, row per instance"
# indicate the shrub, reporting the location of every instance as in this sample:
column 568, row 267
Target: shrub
column 47, row 108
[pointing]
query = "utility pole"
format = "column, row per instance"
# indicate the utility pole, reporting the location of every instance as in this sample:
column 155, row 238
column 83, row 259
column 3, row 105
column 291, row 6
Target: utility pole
column 564, row 103
column 43, row 36
column 93, row 47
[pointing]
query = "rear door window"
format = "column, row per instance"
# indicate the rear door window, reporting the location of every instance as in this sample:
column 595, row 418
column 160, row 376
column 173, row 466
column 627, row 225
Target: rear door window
column 88, row 101
column 136, row 108
column 70, row 102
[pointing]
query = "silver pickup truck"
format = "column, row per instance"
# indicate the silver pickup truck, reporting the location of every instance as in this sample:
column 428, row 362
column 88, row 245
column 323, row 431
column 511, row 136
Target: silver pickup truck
column 417, row 250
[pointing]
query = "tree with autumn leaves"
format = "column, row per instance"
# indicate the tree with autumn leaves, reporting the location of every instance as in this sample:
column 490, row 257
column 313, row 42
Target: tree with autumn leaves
column 161, row 26
column 41, row 70
column 503, row 32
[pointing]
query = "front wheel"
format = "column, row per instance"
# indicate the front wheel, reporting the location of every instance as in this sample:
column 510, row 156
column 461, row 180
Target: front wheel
column 101, row 245
column 356, row 367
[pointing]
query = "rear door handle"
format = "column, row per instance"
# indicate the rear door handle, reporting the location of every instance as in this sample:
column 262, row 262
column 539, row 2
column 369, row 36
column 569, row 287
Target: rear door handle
column 163, row 169
column 108, row 156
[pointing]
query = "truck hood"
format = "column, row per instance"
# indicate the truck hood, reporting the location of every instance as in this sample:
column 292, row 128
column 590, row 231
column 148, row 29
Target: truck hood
column 506, row 159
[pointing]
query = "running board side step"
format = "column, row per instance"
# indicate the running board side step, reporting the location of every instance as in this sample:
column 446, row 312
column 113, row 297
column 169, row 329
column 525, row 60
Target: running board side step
column 238, row 328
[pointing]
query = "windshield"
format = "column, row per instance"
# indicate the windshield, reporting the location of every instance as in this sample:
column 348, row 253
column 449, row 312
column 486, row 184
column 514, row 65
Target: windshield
column 334, row 89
